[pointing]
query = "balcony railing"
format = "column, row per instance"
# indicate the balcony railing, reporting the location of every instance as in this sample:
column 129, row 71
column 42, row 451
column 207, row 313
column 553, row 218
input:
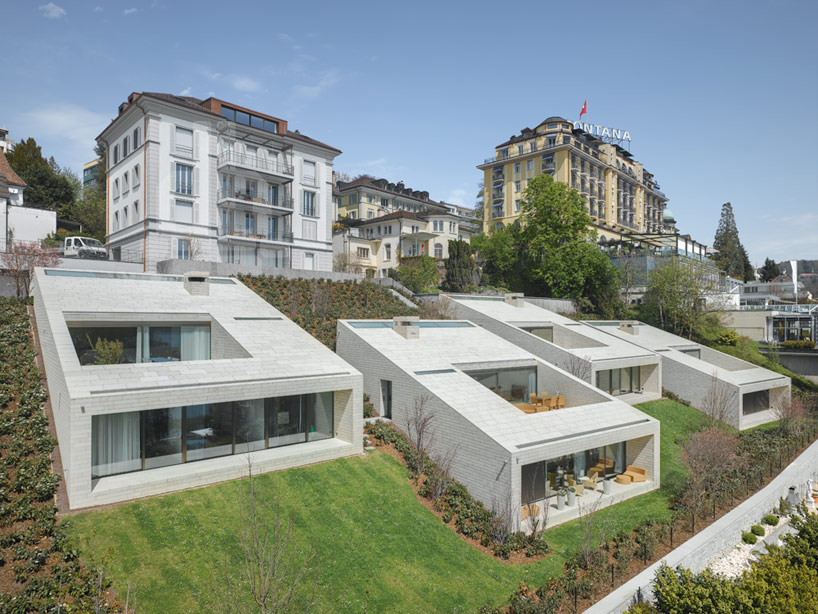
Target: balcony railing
column 254, row 162
column 254, row 199
column 497, row 213
column 243, row 233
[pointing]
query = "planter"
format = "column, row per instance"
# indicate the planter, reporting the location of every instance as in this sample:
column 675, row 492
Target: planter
column 572, row 497
column 560, row 502
column 606, row 487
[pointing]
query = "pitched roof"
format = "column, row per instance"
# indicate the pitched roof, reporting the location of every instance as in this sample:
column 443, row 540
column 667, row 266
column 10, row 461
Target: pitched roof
column 5, row 170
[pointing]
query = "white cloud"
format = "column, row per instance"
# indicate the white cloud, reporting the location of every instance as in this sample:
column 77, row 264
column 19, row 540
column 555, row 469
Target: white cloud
column 285, row 38
column 327, row 80
column 130, row 11
column 185, row 92
column 52, row 11
column 98, row 9
column 210, row 75
column 243, row 83
column 66, row 131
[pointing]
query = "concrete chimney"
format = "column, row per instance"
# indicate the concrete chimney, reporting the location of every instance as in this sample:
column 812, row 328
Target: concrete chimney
column 629, row 327
column 196, row 283
column 405, row 326
column 515, row 299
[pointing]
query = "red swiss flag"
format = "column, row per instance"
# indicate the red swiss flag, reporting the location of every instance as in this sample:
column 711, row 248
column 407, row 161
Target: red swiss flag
column 584, row 109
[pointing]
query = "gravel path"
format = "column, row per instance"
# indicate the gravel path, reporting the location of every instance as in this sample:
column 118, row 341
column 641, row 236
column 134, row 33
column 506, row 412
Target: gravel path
column 732, row 564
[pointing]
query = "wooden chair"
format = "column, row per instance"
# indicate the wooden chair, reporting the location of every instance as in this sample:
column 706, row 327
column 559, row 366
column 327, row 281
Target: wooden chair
column 590, row 481
column 552, row 403
column 561, row 401
column 532, row 398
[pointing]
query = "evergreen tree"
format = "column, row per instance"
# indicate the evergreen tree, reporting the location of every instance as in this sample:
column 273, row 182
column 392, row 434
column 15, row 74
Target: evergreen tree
column 770, row 270
column 459, row 266
column 731, row 257
column 48, row 187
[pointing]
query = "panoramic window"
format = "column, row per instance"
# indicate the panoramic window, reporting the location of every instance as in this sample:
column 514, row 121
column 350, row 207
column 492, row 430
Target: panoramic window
column 105, row 345
column 619, row 381
column 513, row 385
column 133, row 441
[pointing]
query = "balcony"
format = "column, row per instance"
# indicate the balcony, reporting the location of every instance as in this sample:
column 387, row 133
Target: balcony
column 249, row 235
column 255, row 163
column 497, row 213
column 249, row 198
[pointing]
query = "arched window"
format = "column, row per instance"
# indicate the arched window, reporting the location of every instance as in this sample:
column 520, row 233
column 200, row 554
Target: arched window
column 438, row 250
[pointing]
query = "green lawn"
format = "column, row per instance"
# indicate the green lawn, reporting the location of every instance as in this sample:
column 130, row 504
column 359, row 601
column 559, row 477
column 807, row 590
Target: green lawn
column 363, row 520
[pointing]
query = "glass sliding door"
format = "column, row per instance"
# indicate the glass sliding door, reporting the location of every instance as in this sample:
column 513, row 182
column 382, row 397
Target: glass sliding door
column 115, row 444
column 195, row 342
column 208, row 431
column 321, row 415
column 533, row 483
column 165, row 344
column 286, row 425
column 133, row 441
column 249, row 421
column 163, row 437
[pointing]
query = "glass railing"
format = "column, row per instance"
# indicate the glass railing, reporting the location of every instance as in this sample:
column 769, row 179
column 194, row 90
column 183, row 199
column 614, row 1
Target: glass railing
column 251, row 197
column 255, row 162
column 251, row 233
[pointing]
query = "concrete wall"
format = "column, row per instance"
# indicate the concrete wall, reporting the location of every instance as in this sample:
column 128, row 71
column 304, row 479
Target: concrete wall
column 557, row 305
column 27, row 224
column 481, row 464
column 228, row 269
column 720, row 537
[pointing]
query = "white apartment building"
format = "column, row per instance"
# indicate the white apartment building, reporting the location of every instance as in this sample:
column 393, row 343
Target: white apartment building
column 208, row 376
column 209, row 180
column 19, row 223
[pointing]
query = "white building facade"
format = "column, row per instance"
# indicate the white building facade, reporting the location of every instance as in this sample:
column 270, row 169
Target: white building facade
column 208, row 376
column 209, row 180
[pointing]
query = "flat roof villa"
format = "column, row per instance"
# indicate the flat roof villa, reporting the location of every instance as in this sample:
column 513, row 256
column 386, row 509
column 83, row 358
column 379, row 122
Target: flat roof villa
column 520, row 429
column 617, row 366
column 160, row 383
column 733, row 390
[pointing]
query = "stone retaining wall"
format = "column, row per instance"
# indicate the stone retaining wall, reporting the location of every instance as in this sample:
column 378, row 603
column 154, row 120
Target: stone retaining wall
column 720, row 537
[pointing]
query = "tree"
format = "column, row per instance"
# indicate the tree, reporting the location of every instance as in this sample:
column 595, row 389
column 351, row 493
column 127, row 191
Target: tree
column 459, row 266
column 552, row 252
column 676, row 297
column 770, row 270
column 419, row 429
column 47, row 188
column 89, row 210
column 731, row 256
column 274, row 576
column 417, row 273
column 563, row 258
column 710, row 455
column 21, row 260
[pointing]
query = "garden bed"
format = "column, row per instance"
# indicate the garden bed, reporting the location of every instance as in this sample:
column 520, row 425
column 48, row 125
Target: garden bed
column 39, row 568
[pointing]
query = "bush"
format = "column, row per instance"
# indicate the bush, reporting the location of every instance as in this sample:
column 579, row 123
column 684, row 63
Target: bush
column 369, row 407
column 804, row 344
column 748, row 538
column 727, row 337
column 770, row 520
column 757, row 529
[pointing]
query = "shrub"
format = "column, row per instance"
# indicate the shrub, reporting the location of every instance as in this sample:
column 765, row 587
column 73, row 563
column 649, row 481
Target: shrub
column 748, row 538
column 369, row 407
column 757, row 529
column 803, row 344
column 727, row 337
column 770, row 520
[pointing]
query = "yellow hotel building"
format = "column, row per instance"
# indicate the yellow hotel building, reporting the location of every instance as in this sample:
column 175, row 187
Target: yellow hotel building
column 621, row 196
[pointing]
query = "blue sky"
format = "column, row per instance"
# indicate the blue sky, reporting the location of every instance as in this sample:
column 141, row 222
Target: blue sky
column 719, row 97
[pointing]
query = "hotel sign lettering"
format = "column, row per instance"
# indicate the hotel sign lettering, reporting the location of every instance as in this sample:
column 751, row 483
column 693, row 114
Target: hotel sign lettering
column 603, row 131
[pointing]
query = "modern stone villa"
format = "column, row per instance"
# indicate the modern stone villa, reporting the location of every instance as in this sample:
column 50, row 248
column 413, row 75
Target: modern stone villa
column 617, row 366
column 520, row 429
column 744, row 395
column 160, row 383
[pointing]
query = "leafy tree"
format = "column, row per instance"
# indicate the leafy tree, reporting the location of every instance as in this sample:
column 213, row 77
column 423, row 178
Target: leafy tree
column 89, row 210
column 731, row 256
column 21, row 260
column 553, row 252
column 683, row 591
column 770, row 270
column 417, row 273
column 676, row 295
column 48, row 186
column 459, row 266
column 499, row 253
column 563, row 260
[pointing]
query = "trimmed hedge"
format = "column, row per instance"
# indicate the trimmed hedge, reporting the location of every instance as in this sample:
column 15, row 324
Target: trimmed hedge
column 770, row 520
column 748, row 538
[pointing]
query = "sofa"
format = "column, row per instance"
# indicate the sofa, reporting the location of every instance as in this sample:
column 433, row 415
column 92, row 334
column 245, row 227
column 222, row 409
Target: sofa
column 636, row 474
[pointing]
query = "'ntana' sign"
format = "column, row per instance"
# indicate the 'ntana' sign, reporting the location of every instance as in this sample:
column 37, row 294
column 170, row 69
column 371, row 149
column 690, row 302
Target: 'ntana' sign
column 603, row 132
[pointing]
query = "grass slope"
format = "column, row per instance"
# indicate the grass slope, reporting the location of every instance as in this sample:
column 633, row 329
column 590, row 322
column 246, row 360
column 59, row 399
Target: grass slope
column 362, row 518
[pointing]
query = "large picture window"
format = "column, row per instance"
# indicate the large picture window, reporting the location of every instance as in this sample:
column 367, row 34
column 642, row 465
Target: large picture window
column 140, row 343
column 619, row 381
column 133, row 441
